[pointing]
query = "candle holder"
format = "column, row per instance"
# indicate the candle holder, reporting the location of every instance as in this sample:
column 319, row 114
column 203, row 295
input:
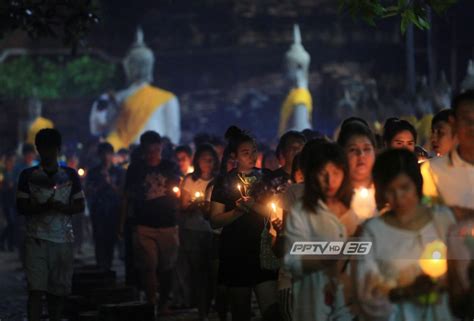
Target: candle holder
column 423, row 291
column 426, row 289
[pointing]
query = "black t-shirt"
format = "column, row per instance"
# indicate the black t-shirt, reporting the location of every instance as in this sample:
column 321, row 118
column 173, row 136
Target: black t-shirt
column 241, row 238
column 151, row 192
column 103, row 196
column 278, row 180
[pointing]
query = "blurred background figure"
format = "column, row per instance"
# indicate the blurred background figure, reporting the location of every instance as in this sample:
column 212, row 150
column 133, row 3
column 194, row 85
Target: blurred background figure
column 184, row 158
column 103, row 188
column 8, row 235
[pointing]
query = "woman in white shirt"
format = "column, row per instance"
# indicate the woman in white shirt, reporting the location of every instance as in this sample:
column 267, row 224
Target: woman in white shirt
column 196, row 231
column 359, row 144
column 323, row 214
column 399, row 238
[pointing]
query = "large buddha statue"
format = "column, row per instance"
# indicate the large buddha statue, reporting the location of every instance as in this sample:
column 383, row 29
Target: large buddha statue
column 123, row 116
column 298, row 106
column 34, row 120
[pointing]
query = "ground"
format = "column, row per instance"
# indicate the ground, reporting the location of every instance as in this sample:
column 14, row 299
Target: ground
column 13, row 288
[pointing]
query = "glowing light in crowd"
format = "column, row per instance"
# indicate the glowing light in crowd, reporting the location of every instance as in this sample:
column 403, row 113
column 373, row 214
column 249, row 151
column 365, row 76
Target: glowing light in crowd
column 176, row 190
column 363, row 203
column 239, row 187
column 274, row 207
column 190, row 170
column 433, row 259
column 197, row 195
column 81, row 172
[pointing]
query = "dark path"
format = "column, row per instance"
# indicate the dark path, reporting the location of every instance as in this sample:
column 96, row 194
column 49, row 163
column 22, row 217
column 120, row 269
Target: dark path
column 13, row 289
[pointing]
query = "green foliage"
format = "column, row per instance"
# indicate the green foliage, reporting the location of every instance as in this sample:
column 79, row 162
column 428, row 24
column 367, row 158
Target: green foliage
column 25, row 77
column 86, row 76
column 410, row 11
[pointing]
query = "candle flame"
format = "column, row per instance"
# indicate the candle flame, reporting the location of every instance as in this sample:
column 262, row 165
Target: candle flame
column 433, row 260
column 190, row 170
column 197, row 195
column 364, row 192
column 274, row 208
column 176, row 189
column 81, row 172
column 239, row 187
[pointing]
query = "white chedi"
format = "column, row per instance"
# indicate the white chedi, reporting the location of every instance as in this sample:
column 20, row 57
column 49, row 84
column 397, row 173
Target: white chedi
column 297, row 108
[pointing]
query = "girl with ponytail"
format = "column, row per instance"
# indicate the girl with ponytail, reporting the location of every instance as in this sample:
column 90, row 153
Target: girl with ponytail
column 234, row 207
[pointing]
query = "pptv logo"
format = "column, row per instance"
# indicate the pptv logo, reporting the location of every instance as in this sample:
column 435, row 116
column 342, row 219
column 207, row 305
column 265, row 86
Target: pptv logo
column 331, row 248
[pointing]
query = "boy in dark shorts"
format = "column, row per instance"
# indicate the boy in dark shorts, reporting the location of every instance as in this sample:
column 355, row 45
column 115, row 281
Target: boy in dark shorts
column 48, row 195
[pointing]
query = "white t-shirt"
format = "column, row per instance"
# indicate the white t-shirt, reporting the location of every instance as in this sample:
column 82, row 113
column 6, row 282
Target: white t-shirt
column 195, row 221
column 309, row 288
column 449, row 180
column 393, row 260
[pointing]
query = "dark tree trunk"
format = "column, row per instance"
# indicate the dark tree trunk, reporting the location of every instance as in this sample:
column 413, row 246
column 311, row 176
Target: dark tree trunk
column 410, row 60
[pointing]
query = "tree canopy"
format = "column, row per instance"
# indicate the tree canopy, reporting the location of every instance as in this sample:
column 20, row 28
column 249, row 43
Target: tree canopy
column 27, row 76
column 409, row 11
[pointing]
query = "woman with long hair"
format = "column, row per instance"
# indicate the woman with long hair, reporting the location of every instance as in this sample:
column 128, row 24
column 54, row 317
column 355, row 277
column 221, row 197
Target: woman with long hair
column 196, row 232
column 322, row 214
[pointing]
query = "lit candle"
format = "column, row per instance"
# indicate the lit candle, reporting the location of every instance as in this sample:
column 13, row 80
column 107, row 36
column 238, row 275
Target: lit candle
column 363, row 203
column 274, row 207
column 197, row 195
column 55, row 187
column 176, row 190
column 239, row 187
column 274, row 210
column 81, row 172
column 190, row 170
column 433, row 259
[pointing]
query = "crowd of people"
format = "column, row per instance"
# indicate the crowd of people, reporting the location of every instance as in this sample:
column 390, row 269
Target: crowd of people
column 212, row 224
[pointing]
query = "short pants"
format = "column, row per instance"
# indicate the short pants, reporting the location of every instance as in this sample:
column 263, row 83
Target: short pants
column 49, row 266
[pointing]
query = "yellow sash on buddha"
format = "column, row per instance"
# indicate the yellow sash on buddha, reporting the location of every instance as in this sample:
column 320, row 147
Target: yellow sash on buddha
column 135, row 112
column 422, row 126
column 297, row 96
column 39, row 124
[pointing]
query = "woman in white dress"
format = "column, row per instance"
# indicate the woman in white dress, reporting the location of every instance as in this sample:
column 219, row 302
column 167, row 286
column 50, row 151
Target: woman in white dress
column 399, row 238
column 323, row 214
column 358, row 142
